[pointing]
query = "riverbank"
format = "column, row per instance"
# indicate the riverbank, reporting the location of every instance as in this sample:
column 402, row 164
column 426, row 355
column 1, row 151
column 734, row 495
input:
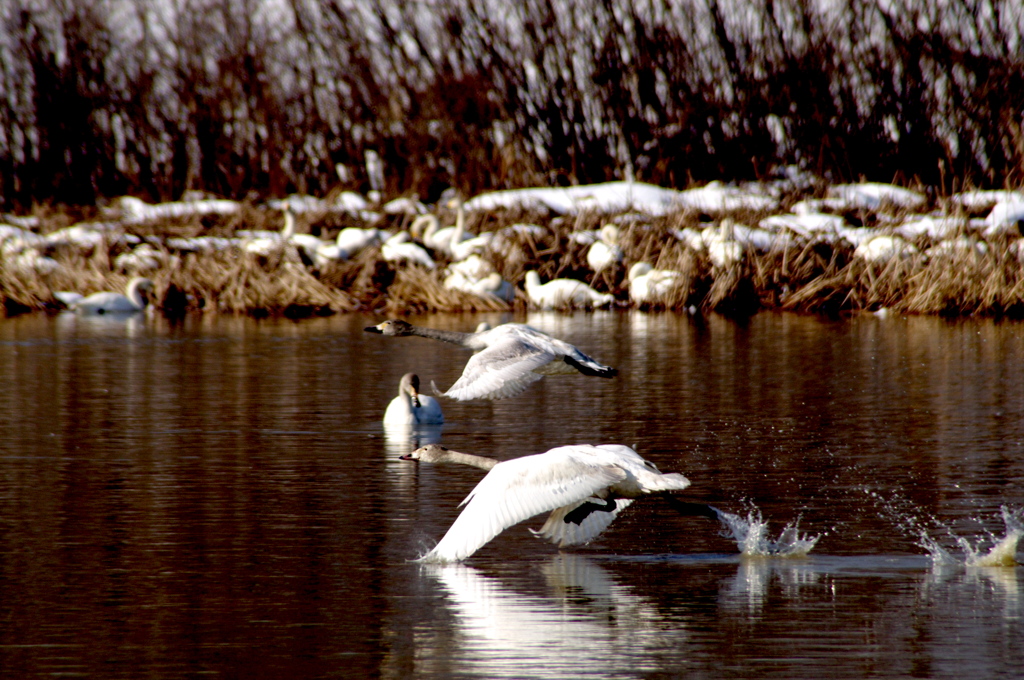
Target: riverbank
column 790, row 244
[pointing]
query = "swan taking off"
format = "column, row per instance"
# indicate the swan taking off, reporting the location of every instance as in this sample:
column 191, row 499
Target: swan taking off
column 134, row 300
column 508, row 358
column 412, row 408
column 584, row 486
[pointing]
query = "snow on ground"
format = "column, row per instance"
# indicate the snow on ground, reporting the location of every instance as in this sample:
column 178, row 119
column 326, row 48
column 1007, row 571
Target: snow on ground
column 135, row 210
column 874, row 196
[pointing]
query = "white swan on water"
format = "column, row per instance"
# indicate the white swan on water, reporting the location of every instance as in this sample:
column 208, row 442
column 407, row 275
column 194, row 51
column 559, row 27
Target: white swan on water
column 412, row 408
column 508, row 358
column 134, row 300
column 584, row 486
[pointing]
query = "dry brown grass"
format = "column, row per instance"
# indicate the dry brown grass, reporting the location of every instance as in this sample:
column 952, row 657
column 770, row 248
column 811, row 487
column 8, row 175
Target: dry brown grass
column 812, row 277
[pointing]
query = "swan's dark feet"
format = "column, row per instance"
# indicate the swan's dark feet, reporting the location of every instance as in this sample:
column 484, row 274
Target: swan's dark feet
column 580, row 513
column 693, row 509
column 595, row 369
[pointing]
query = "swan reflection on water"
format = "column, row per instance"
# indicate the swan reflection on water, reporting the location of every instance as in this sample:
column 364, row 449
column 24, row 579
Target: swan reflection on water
column 586, row 624
column 402, row 439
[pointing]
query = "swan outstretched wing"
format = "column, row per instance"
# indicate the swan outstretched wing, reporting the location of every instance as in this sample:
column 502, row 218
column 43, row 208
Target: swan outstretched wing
column 516, row 490
column 563, row 534
column 503, row 369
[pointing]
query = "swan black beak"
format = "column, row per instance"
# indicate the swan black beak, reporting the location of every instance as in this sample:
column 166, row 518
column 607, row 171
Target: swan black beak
column 373, row 329
column 406, row 456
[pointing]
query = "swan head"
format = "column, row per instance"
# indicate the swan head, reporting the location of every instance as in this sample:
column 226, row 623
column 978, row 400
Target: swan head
column 394, row 327
column 428, row 222
column 431, row 453
column 532, row 279
column 609, row 233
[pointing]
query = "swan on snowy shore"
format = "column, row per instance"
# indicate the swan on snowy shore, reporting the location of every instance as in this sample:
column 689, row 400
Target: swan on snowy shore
column 584, row 487
column 563, row 292
column 508, row 358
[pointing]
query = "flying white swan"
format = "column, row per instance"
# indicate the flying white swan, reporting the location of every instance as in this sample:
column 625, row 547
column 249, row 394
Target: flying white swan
column 412, row 408
column 134, row 300
column 563, row 293
column 584, row 486
column 508, row 358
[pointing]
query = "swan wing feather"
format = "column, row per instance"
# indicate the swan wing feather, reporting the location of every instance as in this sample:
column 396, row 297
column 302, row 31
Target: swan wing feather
column 518, row 489
column 503, row 369
column 564, row 534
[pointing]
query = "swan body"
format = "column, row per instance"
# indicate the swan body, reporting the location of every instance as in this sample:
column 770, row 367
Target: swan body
column 723, row 249
column 577, row 530
column 491, row 285
column 398, row 249
column 134, row 300
column 647, row 284
column 507, row 358
column 884, row 248
column 576, row 482
column 354, row 239
column 559, row 293
column 605, row 252
column 412, row 408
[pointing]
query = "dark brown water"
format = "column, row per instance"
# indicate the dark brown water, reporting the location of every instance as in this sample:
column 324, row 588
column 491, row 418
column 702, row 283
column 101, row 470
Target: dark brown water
column 219, row 497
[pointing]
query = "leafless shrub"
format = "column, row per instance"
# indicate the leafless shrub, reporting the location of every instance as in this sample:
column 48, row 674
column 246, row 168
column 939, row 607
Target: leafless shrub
column 241, row 99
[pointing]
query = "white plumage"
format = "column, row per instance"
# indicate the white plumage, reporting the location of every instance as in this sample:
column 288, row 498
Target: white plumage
column 647, row 284
column 412, row 408
column 107, row 302
column 508, row 358
column 559, row 293
column 578, row 482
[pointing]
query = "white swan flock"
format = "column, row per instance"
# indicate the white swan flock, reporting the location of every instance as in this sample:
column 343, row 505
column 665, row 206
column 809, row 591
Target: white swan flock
column 583, row 487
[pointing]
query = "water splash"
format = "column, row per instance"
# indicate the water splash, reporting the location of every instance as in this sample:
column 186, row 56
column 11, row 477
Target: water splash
column 986, row 549
column 989, row 550
column 752, row 538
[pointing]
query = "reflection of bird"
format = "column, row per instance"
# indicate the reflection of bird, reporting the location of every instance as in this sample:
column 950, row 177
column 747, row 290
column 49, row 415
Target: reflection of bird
column 134, row 300
column 508, row 358
column 574, row 620
column 574, row 481
column 412, row 408
column 563, row 293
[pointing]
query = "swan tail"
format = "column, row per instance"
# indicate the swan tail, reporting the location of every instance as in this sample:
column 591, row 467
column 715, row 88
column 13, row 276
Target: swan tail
column 670, row 481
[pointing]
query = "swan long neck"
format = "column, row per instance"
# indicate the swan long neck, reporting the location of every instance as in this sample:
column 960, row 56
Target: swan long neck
column 460, row 458
column 289, row 224
column 454, row 337
column 460, row 224
column 134, row 293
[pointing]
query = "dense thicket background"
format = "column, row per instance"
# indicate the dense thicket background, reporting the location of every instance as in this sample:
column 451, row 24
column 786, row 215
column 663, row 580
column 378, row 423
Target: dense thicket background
column 263, row 97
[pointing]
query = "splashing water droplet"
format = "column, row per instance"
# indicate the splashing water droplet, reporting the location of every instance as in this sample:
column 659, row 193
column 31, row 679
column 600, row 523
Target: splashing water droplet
column 752, row 538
